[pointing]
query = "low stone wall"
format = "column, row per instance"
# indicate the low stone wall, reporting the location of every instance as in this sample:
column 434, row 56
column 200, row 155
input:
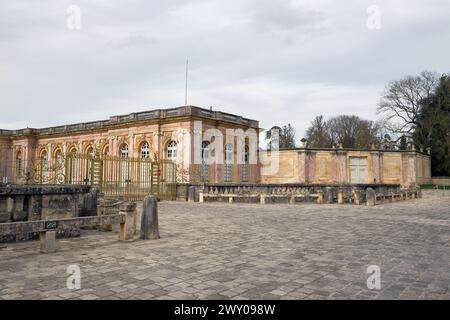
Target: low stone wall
column 45, row 202
column 296, row 193
column 442, row 181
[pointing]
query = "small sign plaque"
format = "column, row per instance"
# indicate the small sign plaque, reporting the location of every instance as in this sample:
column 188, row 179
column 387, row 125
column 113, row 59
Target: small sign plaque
column 50, row 225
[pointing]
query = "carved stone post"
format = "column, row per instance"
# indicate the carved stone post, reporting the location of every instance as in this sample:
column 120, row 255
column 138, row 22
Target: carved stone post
column 357, row 195
column 370, row 197
column 127, row 229
column 262, row 198
column 200, row 196
column 149, row 219
column 191, row 194
column 341, row 196
column 329, row 195
column 320, row 197
column 419, row 192
column 47, row 241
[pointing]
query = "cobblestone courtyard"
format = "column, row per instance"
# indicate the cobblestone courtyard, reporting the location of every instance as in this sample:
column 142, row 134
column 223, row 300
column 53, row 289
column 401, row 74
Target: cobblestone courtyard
column 250, row 251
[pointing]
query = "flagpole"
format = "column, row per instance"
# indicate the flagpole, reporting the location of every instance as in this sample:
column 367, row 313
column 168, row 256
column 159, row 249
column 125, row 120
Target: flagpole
column 186, row 88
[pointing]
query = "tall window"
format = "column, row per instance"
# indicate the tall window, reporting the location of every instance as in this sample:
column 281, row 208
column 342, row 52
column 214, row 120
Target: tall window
column 205, row 160
column 245, row 164
column 73, row 166
column 145, row 165
column 19, row 165
column 228, row 172
column 44, row 167
column 124, row 164
column 124, row 151
column 145, row 150
column 172, row 151
column 59, row 165
column 90, row 153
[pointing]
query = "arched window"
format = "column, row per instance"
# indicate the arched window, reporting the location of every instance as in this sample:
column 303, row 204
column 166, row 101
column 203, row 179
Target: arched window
column 229, row 153
column 19, row 164
column 90, row 152
column 73, row 167
column 245, row 164
column 172, row 151
column 145, row 150
column 205, row 161
column 43, row 176
column 124, row 151
column 59, row 166
column 145, row 166
column 228, row 172
column 124, row 165
column 88, row 172
column 205, row 152
column 44, row 157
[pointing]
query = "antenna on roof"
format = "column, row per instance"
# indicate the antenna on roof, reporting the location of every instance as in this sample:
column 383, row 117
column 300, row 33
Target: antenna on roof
column 186, row 88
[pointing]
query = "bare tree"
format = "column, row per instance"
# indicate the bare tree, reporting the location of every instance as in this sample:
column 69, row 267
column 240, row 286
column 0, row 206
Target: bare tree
column 403, row 100
column 318, row 134
column 348, row 131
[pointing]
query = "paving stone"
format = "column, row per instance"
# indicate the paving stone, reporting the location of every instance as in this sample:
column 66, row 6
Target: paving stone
column 250, row 251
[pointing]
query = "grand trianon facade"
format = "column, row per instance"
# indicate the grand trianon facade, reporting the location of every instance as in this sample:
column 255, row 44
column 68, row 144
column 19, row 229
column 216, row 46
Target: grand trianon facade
column 201, row 145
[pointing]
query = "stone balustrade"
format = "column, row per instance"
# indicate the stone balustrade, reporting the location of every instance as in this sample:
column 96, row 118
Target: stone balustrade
column 294, row 193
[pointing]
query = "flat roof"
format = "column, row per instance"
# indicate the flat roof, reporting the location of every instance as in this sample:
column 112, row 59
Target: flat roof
column 154, row 114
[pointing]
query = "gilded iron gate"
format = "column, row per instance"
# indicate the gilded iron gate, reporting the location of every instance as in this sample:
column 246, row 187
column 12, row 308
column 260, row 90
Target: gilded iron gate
column 129, row 178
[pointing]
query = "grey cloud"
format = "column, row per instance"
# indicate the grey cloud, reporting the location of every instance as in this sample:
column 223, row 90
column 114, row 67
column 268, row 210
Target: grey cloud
column 277, row 61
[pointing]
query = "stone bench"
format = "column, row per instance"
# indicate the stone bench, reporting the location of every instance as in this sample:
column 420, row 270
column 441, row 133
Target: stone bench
column 47, row 229
column 373, row 198
column 230, row 197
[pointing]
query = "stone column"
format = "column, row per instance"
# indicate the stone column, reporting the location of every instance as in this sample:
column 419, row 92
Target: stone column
column 149, row 219
column 127, row 229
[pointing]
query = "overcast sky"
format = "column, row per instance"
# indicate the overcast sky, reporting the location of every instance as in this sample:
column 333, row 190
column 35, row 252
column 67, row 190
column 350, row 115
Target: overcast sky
column 275, row 61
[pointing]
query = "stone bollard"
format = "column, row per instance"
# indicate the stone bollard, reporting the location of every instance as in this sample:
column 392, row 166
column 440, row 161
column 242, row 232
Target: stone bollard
column 320, row 197
column 191, row 194
column 292, row 200
column 262, row 199
column 340, row 196
column 200, row 196
column 47, row 241
column 230, row 199
column 357, row 195
column 419, row 193
column 149, row 219
column 127, row 229
column 370, row 197
column 329, row 195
